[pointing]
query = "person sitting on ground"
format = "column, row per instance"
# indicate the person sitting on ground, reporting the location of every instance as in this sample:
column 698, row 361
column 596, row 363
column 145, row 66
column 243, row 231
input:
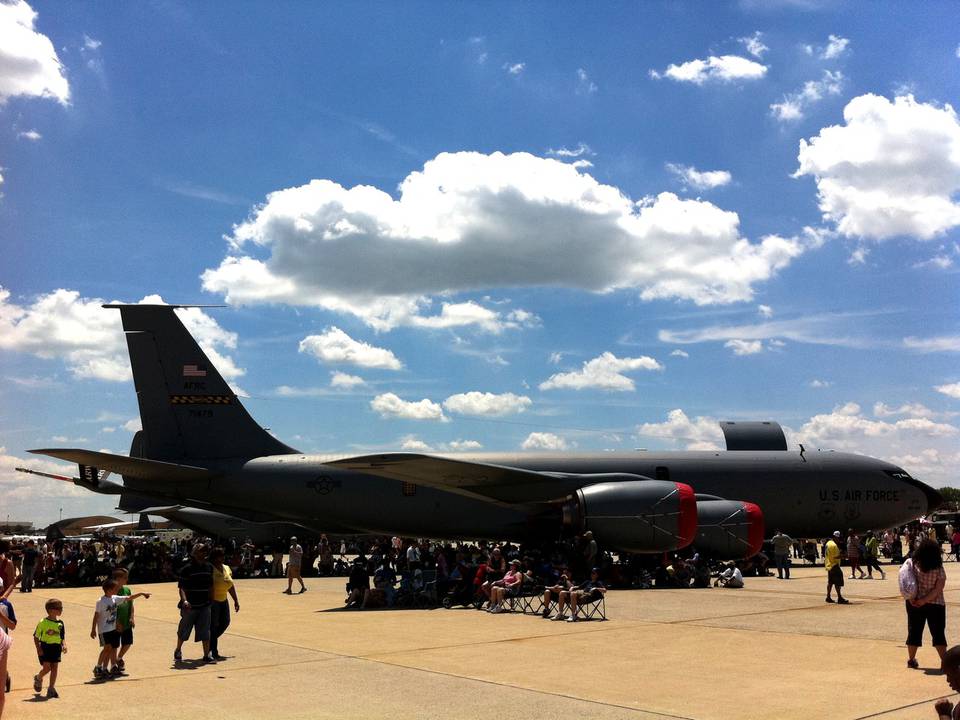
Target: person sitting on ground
column 730, row 577
column 589, row 591
column 357, row 583
column 508, row 586
column 564, row 583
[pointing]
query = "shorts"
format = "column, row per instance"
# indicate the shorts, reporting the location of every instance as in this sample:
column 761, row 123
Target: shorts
column 835, row 576
column 111, row 638
column 126, row 637
column 50, row 652
column 933, row 616
column 197, row 620
column 588, row 597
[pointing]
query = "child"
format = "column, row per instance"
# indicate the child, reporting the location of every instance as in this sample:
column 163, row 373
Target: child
column 50, row 640
column 125, row 620
column 105, row 621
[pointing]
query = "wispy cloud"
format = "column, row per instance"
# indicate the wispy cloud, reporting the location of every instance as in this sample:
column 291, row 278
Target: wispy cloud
column 201, row 192
column 842, row 329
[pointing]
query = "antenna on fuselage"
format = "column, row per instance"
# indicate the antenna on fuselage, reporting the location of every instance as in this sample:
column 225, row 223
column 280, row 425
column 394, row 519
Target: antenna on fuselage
column 802, row 451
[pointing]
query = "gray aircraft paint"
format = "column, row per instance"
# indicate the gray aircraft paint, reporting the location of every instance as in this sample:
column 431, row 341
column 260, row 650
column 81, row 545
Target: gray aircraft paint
column 192, row 418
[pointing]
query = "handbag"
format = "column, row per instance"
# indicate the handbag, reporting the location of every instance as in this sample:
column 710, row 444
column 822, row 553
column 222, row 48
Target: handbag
column 907, row 579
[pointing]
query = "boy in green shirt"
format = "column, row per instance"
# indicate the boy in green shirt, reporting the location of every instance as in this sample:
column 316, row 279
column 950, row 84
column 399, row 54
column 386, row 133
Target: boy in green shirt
column 50, row 639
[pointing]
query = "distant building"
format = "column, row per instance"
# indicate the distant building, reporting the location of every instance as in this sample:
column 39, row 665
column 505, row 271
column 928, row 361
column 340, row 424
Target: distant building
column 15, row 527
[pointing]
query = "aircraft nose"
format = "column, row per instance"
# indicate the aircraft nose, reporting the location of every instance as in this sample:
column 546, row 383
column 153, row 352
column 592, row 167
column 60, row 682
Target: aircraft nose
column 934, row 498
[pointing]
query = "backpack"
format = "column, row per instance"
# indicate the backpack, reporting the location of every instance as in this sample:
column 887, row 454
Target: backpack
column 907, row 578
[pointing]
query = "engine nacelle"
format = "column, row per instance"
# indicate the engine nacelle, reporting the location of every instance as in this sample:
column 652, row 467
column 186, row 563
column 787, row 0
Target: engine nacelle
column 633, row 513
column 728, row 529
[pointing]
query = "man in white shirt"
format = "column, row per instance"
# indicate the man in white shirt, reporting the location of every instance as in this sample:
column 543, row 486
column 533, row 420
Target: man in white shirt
column 731, row 577
column 293, row 567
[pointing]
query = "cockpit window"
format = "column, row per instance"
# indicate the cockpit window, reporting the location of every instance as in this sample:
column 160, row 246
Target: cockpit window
column 899, row 474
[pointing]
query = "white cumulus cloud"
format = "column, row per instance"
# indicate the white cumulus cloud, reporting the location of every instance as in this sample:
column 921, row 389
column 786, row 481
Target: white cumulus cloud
column 836, row 46
column 29, row 65
column 680, row 353
column 744, row 347
column 700, row 179
column 389, row 405
column 470, row 221
column 335, row 346
column 90, row 340
column 605, row 372
column 795, row 105
column 514, row 68
column 343, row 380
column 486, row 404
column 31, row 135
column 950, row 390
column 544, row 441
column 753, row 44
column 892, row 169
column 701, row 433
column 723, row 68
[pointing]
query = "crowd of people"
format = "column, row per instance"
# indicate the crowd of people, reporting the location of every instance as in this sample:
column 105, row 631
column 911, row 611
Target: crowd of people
column 556, row 580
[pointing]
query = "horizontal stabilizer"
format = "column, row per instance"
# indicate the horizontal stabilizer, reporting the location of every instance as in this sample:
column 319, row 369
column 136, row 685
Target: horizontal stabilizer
column 478, row 480
column 128, row 466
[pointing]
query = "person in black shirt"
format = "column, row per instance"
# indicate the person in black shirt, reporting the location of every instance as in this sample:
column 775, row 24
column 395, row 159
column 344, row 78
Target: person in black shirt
column 30, row 555
column 196, row 594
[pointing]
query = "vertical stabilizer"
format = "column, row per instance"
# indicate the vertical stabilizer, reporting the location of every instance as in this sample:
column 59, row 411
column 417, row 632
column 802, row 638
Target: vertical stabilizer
column 187, row 409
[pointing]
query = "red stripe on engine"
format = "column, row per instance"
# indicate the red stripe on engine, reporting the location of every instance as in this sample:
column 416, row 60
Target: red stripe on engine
column 755, row 537
column 687, row 522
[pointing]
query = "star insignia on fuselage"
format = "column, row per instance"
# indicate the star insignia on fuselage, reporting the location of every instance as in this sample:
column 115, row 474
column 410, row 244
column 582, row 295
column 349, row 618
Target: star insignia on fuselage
column 323, row 485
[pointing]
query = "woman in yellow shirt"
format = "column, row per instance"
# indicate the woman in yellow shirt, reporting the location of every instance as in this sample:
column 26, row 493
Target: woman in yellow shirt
column 220, row 608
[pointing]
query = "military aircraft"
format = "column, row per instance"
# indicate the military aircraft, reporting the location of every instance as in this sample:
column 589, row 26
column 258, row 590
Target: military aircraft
column 199, row 447
column 207, row 522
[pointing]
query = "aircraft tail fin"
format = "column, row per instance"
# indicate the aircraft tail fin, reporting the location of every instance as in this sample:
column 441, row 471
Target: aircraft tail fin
column 187, row 409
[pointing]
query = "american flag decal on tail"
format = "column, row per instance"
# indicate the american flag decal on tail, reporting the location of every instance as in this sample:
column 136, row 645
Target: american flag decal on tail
column 193, row 371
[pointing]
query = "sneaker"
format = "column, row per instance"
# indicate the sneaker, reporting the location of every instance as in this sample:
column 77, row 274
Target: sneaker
column 546, row 613
column 829, row 599
column 287, row 592
column 37, row 683
column 559, row 618
column 572, row 618
column 303, row 589
column 115, row 672
column 52, row 693
column 97, row 672
column 913, row 664
column 122, row 665
column 208, row 658
column 843, row 601
column 218, row 657
column 177, row 656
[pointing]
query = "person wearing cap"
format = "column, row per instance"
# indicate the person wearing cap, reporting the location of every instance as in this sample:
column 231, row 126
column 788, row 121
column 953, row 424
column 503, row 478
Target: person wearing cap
column 831, row 561
column 588, row 591
column 507, row 586
column 293, row 566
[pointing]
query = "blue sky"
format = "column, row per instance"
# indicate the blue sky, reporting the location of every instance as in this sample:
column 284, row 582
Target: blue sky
column 508, row 226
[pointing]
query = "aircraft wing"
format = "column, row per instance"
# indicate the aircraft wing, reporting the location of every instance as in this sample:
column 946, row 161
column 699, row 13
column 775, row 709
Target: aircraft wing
column 129, row 466
column 497, row 483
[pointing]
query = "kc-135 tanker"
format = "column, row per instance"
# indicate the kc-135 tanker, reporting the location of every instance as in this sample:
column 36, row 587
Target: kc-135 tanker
column 200, row 448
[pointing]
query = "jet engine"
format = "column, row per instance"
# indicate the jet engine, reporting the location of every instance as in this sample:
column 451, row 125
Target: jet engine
column 728, row 529
column 633, row 513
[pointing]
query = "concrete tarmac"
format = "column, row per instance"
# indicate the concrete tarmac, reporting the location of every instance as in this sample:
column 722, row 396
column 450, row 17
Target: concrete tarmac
column 771, row 650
